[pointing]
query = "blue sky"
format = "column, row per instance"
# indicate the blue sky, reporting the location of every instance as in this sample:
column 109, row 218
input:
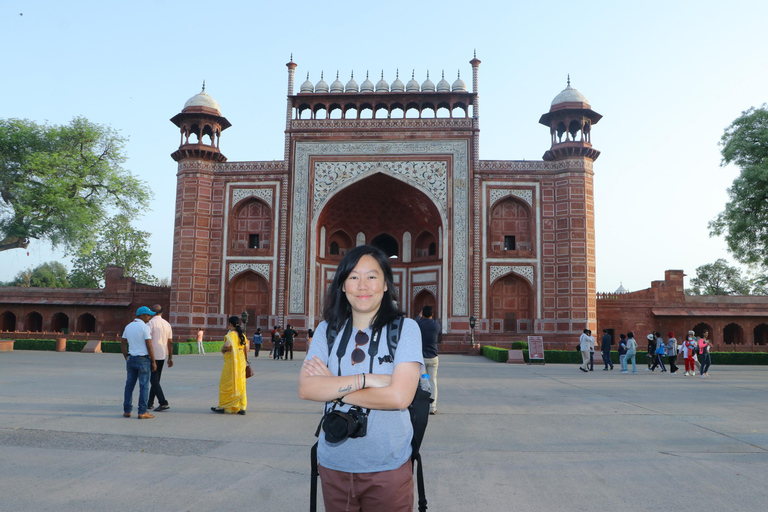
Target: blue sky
column 668, row 77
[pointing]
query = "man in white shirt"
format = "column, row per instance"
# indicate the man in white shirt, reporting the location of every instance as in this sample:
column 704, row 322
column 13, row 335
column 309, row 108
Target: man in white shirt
column 136, row 346
column 585, row 341
column 162, row 345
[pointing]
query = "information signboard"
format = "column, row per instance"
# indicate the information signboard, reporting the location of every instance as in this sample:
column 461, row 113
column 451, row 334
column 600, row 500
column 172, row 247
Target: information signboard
column 536, row 349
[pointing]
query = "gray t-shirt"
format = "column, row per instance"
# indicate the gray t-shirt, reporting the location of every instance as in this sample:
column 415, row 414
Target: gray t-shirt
column 387, row 445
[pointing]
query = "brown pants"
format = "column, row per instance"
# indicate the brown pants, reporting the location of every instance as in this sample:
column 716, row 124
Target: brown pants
column 385, row 491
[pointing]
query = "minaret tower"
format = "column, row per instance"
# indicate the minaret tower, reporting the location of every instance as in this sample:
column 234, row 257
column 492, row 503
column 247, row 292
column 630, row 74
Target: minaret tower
column 569, row 233
column 197, row 248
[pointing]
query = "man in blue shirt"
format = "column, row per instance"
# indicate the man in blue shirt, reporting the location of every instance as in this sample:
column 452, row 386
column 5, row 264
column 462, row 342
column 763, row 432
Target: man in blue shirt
column 136, row 346
column 430, row 330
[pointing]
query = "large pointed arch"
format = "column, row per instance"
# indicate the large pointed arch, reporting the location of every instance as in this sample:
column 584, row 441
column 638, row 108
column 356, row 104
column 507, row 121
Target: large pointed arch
column 383, row 209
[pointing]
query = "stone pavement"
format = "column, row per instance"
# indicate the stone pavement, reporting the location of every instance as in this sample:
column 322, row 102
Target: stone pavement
column 506, row 437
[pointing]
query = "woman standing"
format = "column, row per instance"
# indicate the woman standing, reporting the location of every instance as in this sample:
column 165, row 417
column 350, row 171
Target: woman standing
column 706, row 361
column 672, row 352
column 232, row 397
column 631, row 352
column 689, row 352
column 623, row 352
column 367, row 469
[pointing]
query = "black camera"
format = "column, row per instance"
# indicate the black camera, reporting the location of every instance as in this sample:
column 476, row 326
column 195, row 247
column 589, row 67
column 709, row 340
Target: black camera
column 338, row 426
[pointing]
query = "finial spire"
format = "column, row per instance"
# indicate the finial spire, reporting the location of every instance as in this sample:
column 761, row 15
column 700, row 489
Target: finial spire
column 307, row 75
column 203, row 85
column 382, row 74
column 459, row 74
column 413, row 74
column 475, row 52
column 337, row 74
column 397, row 73
column 569, row 79
column 291, row 56
column 443, row 74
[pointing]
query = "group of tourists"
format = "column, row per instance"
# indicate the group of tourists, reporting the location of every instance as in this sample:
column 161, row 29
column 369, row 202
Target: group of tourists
column 695, row 351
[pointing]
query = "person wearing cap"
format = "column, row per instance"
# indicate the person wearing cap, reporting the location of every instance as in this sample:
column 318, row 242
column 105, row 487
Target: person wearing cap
column 162, row 346
column 136, row 346
column 651, row 351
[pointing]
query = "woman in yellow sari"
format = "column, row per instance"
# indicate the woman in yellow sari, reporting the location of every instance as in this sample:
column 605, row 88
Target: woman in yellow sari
column 232, row 397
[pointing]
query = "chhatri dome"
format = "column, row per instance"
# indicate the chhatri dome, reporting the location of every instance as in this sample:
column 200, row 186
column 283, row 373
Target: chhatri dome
column 202, row 100
column 569, row 95
column 621, row 289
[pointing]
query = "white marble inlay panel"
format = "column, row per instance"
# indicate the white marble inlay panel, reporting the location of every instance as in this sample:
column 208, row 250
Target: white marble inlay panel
column 525, row 195
column 265, row 194
column 525, row 271
column 259, row 268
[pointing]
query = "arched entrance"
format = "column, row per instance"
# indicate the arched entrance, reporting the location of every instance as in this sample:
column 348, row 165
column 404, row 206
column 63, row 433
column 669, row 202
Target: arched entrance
column 423, row 298
column 250, row 292
column 511, row 305
column 761, row 334
column 86, row 323
column 60, row 323
column 33, row 322
column 8, row 321
column 388, row 213
column 733, row 334
column 699, row 329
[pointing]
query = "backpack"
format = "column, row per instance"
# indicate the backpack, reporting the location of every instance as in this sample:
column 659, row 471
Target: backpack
column 418, row 410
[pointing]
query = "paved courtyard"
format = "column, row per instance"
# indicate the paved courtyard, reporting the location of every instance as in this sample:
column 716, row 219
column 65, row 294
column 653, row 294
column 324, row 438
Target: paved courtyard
column 522, row 438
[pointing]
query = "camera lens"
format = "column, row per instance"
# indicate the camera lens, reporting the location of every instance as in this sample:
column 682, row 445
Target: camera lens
column 338, row 426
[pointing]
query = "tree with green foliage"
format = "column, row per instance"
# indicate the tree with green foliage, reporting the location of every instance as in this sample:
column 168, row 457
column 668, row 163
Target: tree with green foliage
column 117, row 244
column 719, row 278
column 744, row 222
column 48, row 275
column 57, row 183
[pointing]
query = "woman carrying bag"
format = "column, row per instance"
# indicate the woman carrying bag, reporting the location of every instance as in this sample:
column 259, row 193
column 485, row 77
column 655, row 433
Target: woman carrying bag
column 232, row 398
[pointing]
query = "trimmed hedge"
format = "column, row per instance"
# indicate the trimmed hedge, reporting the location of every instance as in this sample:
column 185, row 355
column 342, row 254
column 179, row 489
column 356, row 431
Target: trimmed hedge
column 520, row 345
column 191, row 348
column 495, row 353
column 34, row 345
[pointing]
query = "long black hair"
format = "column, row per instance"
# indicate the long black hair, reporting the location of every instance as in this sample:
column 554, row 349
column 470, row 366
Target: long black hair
column 337, row 310
column 235, row 321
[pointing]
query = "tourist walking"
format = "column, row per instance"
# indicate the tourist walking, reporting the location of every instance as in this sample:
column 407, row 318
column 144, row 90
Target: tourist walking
column 672, row 352
column 605, row 349
column 591, row 351
column 257, row 341
column 659, row 352
column 162, row 346
column 706, row 360
column 651, row 350
column 288, row 335
column 430, row 330
column 584, row 348
column 232, row 396
column 689, row 352
column 136, row 345
column 623, row 352
column 631, row 352
column 200, row 348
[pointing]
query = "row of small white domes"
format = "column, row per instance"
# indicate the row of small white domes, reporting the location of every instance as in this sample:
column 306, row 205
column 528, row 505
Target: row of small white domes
column 382, row 85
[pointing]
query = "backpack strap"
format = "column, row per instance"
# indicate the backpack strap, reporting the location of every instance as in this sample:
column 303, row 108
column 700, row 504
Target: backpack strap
column 393, row 335
column 313, row 479
column 419, row 482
